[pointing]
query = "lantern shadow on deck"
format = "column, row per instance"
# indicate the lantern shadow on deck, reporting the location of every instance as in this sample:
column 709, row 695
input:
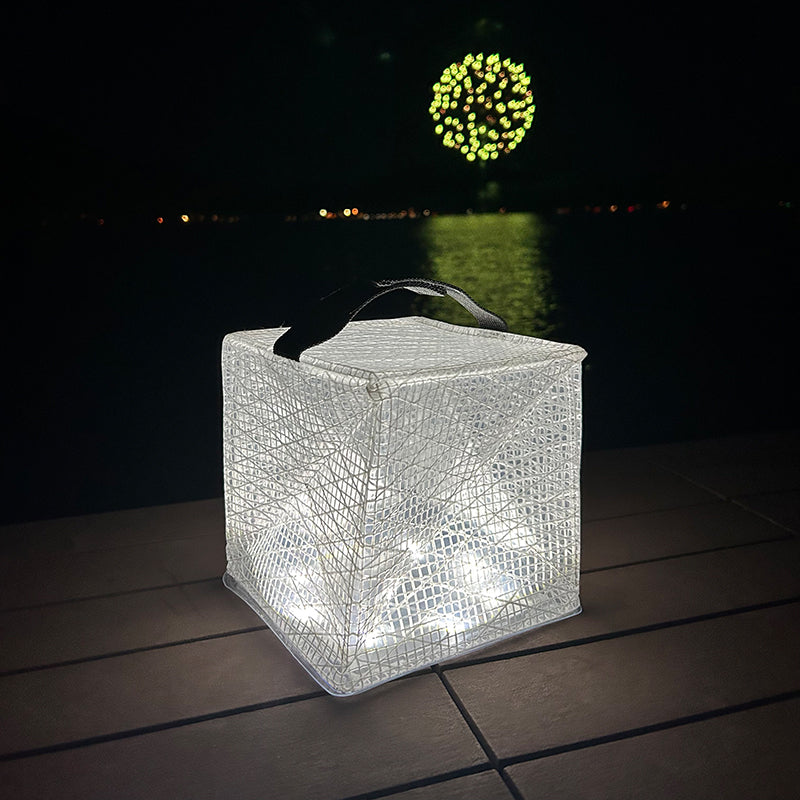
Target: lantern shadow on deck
column 406, row 492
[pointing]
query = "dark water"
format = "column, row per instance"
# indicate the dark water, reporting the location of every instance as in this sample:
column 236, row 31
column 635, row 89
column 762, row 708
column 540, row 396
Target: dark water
column 112, row 336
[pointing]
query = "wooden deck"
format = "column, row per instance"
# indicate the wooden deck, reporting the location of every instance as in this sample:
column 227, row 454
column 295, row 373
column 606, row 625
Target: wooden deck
column 128, row 671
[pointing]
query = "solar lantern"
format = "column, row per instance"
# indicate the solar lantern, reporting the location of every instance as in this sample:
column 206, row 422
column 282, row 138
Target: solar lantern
column 400, row 492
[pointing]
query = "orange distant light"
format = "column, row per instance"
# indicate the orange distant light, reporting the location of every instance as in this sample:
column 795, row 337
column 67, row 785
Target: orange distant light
column 159, row 220
column 184, row 217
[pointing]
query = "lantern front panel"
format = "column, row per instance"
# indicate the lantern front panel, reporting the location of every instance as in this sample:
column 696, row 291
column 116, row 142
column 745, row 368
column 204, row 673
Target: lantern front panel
column 382, row 520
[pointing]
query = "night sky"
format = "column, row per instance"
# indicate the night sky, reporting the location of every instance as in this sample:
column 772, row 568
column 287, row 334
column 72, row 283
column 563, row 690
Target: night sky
column 128, row 112
column 125, row 109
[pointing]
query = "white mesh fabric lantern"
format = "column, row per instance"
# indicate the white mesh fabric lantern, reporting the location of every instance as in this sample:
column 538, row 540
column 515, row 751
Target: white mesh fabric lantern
column 405, row 490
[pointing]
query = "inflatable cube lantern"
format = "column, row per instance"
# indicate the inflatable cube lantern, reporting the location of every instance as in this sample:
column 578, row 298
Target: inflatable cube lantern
column 404, row 491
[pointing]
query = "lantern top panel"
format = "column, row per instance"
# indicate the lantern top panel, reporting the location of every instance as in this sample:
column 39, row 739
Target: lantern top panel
column 417, row 347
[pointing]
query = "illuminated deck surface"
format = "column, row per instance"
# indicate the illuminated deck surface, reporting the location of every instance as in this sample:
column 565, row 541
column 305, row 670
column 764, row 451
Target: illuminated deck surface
column 127, row 670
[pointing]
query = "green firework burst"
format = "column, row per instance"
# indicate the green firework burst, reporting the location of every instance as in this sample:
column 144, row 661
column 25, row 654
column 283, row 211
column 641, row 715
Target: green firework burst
column 482, row 106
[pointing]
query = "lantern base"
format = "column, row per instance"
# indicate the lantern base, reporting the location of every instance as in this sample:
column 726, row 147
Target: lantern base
column 382, row 669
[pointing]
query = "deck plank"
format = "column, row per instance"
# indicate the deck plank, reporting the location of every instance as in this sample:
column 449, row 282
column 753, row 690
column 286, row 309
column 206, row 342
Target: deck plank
column 483, row 786
column 316, row 749
column 94, row 627
column 735, row 465
column 662, row 592
column 783, row 508
column 546, row 700
column 62, row 577
column 678, row 531
column 743, row 755
column 615, row 483
column 154, row 687
column 110, row 529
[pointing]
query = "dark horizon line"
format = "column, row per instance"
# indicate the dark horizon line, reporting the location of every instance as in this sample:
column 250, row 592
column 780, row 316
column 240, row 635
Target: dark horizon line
column 172, row 218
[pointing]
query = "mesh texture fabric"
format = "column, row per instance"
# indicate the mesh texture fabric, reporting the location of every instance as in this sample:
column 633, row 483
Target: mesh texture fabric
column 407, row 492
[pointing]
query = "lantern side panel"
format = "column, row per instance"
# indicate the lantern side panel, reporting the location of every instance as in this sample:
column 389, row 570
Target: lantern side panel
column 473, row 523
column 297, row 452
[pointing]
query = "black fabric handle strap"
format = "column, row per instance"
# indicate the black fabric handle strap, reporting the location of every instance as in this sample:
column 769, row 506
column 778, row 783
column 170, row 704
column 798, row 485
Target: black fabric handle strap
column 325, row 319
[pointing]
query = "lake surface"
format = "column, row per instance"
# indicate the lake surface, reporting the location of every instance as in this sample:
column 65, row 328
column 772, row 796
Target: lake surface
column 112, row 337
